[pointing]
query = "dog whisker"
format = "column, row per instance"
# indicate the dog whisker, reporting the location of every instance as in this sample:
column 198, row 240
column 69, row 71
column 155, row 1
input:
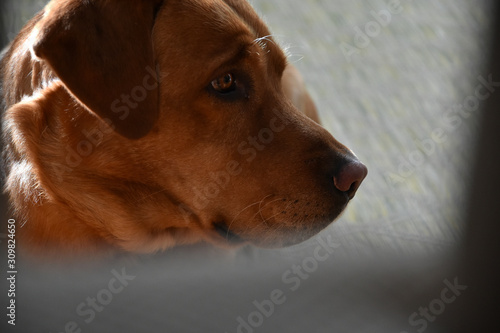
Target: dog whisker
column 260, row 202
column 261, row 207
column 294, row 61
column 262, row 41
column 236, row 216
column 265, row 220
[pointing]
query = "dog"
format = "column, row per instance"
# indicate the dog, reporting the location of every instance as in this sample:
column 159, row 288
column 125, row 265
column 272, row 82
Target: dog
column 138, row 126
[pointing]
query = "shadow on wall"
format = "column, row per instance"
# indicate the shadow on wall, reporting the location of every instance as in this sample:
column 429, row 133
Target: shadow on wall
column 4, row 39
column 479, row 312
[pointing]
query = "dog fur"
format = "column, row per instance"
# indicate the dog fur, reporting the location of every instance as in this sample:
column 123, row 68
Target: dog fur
column 141, row 125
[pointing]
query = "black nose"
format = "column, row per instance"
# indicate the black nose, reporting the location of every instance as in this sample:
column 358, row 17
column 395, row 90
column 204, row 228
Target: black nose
column 349, row 177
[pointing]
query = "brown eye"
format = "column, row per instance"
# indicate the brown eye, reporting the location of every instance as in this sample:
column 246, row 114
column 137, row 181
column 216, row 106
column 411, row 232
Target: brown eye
column 224, row 84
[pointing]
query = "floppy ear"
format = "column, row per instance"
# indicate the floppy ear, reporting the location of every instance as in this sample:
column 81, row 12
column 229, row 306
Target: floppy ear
column 102, row 51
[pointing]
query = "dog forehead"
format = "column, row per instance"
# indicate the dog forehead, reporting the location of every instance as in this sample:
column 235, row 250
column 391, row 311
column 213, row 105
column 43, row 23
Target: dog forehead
column 219, row 13
column 198, row 27
column 213, row 17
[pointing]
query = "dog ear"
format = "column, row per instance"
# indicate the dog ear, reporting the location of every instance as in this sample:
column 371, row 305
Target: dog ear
column 102, row 51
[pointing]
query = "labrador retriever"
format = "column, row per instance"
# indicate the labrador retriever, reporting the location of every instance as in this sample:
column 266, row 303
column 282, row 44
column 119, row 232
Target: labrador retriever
column 139, row 125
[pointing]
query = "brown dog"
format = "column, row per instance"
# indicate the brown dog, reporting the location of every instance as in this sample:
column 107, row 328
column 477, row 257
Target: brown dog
column 141, row 125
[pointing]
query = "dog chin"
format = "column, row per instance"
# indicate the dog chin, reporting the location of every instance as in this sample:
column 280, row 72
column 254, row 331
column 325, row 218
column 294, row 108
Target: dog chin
column 268, row 240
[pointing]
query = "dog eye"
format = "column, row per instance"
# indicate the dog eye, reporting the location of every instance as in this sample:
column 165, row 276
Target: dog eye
column 224, row 84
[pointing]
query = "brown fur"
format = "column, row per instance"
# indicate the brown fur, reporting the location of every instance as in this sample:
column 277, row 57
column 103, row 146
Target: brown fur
column 115, row 139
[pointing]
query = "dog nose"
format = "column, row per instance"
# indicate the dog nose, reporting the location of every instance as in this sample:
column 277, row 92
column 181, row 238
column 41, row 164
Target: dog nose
column 349, row 177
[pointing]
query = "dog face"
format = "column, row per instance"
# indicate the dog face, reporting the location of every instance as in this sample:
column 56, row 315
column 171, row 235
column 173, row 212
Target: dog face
column 266, row 170
column 206, row 144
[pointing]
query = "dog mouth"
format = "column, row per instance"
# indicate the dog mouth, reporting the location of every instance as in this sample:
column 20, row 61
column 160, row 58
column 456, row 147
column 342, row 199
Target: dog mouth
column 222, row 229
column 288, row 227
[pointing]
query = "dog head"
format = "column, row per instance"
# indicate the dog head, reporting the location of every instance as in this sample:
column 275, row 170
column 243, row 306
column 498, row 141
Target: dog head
column 188, row 132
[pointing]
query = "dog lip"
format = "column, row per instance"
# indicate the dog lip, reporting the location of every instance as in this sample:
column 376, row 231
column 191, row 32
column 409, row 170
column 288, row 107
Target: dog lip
column 222, row 229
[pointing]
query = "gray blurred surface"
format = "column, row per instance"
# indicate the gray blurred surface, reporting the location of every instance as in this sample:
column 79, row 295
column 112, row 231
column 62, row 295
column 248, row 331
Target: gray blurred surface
column 398, row 240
